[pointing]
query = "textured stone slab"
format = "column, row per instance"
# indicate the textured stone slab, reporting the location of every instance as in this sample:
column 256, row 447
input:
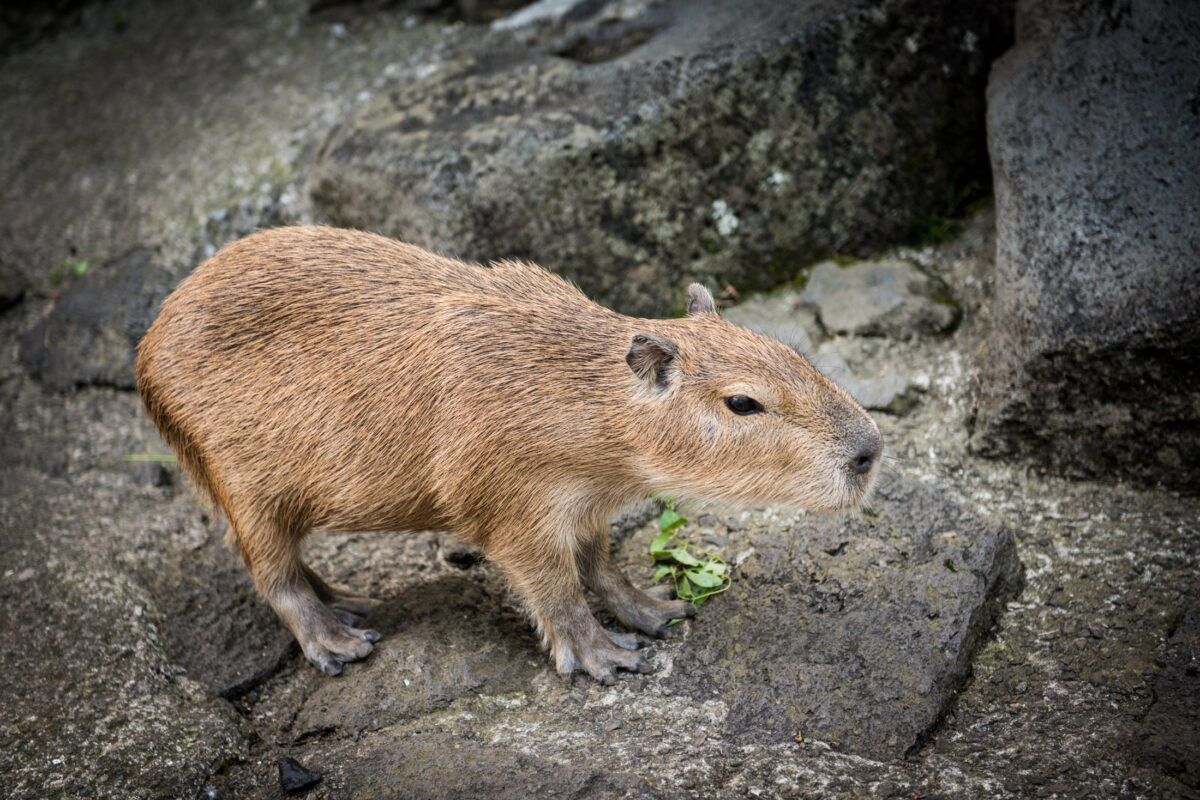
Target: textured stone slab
column 1170, row 736
column 91, row 336
column 853, row 629
column 92, row 705
column 1092, row 367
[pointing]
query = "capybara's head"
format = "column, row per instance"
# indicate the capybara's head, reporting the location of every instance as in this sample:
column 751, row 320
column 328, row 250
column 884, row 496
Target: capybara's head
column 731, row 416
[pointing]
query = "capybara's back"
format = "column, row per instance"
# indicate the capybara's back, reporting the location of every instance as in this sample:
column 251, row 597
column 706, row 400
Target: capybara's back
column 315, row 377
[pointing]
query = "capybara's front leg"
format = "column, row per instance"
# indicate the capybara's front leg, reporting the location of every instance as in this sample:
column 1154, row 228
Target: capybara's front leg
column 543, row 573
column 631, row 606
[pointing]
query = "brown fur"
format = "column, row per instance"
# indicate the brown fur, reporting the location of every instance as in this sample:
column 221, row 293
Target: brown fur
column 311, row 377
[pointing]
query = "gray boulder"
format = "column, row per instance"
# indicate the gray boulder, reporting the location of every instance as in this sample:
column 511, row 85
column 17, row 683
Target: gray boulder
column 640, row 146
column 854, row 630
column 1092, row 366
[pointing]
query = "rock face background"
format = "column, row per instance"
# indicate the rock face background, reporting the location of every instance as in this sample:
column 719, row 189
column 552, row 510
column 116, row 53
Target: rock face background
column 1093, row 363
column 979, row 630
column 657, row 143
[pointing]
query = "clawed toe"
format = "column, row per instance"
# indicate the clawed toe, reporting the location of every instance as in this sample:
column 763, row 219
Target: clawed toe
column 629, row 641
column 360, row 607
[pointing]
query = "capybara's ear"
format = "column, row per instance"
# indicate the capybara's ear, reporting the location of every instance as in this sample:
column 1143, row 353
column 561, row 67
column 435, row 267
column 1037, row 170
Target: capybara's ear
column 700, row 300
column 650, row 357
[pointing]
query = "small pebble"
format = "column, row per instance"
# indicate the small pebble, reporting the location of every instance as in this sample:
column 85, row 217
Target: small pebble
column 294, row 778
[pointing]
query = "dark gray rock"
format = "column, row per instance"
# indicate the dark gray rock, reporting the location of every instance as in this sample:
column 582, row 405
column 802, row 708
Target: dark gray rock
column 1168, row 738
column 294, row 778
column 91, row 336
column 1092, row 366
column 853, row 630
column 727, row 142
column 888, row 297
column 12, row 284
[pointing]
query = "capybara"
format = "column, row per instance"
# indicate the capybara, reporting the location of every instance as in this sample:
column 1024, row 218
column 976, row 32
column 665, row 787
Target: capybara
column 311, row 377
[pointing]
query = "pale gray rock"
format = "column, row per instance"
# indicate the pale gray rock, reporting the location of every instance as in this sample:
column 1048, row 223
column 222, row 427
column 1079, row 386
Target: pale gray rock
column 780, row 315
column 887, row 297
column 888, row 391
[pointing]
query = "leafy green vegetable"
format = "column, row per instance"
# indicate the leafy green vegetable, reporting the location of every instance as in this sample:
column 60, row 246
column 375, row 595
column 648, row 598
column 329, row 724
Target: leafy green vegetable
column 697, row 574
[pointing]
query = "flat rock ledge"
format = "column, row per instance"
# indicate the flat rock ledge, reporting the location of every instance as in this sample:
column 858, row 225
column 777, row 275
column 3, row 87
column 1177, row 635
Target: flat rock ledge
column 853, row 630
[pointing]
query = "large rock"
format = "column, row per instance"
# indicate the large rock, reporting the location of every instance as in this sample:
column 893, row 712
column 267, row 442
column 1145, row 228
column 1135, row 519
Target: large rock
column 853, row 630
column 12, row 284
column 444, row 640
column 1093, row 363
column 650, row 144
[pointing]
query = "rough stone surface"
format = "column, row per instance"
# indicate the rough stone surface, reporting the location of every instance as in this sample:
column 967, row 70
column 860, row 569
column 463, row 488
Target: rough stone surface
column 854, row 630
column 1092, row 367
column 444, row 640
column 1170, row 736
column 217, row 628
column 650, row 144
column 92, row 704
column 91, row 336
column 888, row 391
column 887, row 297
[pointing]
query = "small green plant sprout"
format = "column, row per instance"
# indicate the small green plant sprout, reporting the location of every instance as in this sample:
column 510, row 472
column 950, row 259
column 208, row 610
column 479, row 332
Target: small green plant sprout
column 69, row 267
column 697, row 574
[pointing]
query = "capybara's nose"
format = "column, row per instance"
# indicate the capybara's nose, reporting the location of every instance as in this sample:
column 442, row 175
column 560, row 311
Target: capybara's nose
column 870, row 446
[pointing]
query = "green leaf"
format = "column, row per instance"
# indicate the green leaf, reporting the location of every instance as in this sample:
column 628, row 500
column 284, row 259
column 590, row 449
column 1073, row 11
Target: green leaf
column 682, row 555
column 684, row 589
column 704, row 579
column 663, row 571
column 715, row 567
column 670, row 520
column 659, row 545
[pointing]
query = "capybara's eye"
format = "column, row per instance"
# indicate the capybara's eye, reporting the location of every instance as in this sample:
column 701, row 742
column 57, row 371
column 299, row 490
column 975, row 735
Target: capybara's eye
column 740, row 404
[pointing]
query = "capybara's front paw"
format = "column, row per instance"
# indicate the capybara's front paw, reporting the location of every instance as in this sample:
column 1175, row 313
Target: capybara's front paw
column 599, row 654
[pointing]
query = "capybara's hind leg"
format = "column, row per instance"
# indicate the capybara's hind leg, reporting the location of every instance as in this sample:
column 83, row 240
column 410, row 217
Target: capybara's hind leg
column 273, row 553
column 348, row 608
